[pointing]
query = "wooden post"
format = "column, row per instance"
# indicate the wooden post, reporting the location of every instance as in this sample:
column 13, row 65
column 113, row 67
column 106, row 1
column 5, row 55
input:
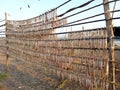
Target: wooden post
column 7, row 57
column 111, row 63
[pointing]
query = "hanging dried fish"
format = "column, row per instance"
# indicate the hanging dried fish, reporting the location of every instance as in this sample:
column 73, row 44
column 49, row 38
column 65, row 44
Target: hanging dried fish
column 20, row 8
column 28, row 6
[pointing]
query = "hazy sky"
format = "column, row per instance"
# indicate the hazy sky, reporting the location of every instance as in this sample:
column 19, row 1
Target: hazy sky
column 19, row 9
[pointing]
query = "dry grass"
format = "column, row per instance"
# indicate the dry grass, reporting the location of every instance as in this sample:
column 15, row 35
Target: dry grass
column 3, row 87
column 117, row 59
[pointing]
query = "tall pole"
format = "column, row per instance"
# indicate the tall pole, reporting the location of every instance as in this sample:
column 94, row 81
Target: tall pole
column 111, row 61
column 7, row 57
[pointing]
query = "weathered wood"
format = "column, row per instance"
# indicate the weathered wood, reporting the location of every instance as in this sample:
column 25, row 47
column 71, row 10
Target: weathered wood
column 111, row 64
column 7, row 56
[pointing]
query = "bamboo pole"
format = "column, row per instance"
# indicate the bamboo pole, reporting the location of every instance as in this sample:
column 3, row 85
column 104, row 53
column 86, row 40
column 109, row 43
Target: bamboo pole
column 111, row 64
column 7, row 57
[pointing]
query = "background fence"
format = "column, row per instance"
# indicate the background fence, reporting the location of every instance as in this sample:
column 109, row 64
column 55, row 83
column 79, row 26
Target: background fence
column 2, row 43
column 2, row 33
column 59, row 46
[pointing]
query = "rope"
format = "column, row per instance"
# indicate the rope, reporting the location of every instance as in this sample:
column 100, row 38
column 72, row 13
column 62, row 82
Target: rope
column 83, row 5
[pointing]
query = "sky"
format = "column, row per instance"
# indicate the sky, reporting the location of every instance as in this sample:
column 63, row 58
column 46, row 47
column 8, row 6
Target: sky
column 18, row 9
column 25, row 9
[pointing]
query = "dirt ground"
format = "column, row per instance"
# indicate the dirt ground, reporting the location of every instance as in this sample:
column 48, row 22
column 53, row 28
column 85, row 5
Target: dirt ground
column 24, row 78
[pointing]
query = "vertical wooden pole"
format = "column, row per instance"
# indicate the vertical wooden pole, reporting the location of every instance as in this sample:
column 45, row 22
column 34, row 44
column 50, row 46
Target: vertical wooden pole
column 7, row 57
column 111, row 63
